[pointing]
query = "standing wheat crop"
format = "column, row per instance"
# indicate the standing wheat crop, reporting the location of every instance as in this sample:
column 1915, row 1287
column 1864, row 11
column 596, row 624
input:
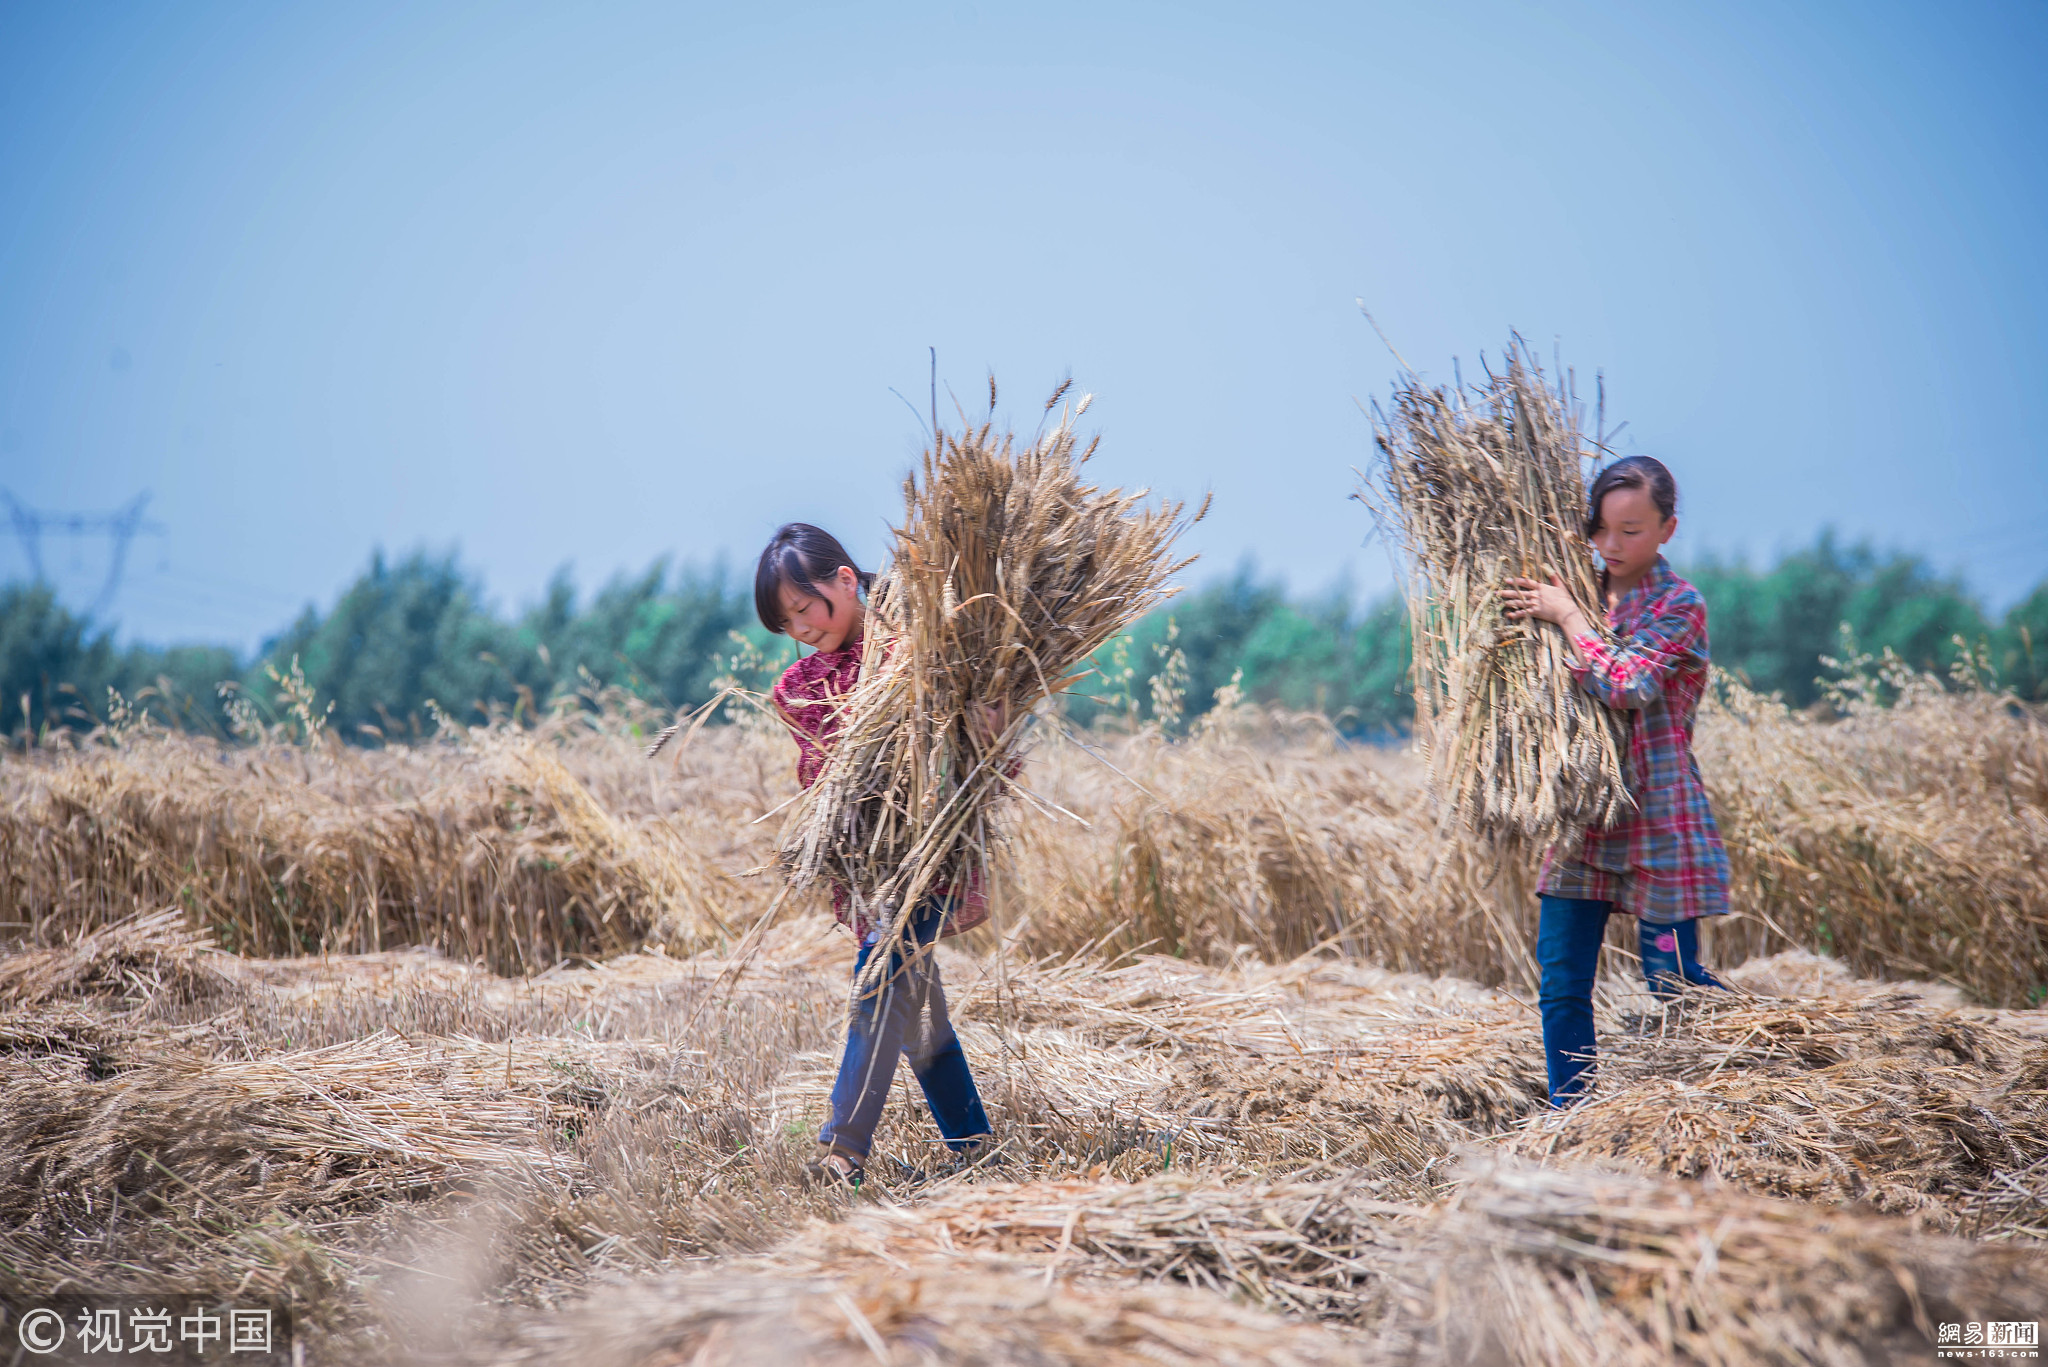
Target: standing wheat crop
column 1007, row 573
column 1478, row 484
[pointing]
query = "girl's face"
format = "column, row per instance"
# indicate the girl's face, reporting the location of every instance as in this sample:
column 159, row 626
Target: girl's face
column 829, row 616
column 1632, row 533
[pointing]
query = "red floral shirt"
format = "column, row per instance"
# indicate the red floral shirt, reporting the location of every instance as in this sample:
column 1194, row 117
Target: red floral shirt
column 1665, row 863
column 808, row 697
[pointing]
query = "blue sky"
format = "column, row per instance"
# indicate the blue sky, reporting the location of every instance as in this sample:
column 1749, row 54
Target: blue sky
column 593, row 284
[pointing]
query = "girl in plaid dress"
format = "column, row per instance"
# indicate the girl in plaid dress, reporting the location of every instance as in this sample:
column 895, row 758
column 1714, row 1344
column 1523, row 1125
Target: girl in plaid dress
column 1664, row 865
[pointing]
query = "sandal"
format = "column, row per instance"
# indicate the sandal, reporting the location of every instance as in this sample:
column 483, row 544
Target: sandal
column 833, row 1169
column 982, row 1152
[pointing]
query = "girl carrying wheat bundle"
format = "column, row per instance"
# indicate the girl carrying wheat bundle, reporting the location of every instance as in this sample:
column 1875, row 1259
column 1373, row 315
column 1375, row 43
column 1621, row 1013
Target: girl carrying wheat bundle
column 1574, row 738
column 1664, row 863
column 807, row 586
column 1008, row 572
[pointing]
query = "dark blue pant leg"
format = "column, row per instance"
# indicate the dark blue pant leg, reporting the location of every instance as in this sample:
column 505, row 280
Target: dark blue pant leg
column 905, row 1013
column 1671, row 958
column 874, row 1037
column 1568, row 935
column 941, row 1068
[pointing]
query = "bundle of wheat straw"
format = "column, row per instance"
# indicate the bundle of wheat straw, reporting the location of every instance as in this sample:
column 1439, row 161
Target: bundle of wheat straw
column 1314, row 1249
column 868, row 1311
column 1549, row 1265
column 1480, row 484
column 1007, row 573
column 1886, row 1100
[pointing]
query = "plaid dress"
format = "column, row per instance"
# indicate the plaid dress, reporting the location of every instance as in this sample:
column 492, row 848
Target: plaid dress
column 808, row 697
column 1665, row 863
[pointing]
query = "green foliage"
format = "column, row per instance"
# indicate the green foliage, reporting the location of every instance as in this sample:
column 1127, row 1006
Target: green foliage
column 1346, row 660
column 45, row 655
column 1772, row 627
column 2019, row 648
column 56, row 672
column 407, row 634
column 418, row 631
column 1330, row 654
column 1206, row 629
column 1350, row 660
column 179, row 685
column 404, row 640
column 664, row 640
column 399, row 636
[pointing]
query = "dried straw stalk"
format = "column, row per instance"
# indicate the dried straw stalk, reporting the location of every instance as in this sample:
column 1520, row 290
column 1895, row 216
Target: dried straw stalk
column 1884, row 1100
column 866, row 1312
column 1480, row 484
column 1533, row 1265
column 1310, row 1249
column 1008, row 573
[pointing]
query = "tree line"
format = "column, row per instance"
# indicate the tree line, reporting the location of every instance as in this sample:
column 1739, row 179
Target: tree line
column 414, row 636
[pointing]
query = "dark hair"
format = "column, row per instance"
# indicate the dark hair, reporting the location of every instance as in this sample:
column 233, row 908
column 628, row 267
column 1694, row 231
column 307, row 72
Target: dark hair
column 801, row 556
column 1632, row 472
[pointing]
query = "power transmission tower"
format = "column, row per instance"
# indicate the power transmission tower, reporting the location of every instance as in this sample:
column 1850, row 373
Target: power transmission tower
column 123, row 525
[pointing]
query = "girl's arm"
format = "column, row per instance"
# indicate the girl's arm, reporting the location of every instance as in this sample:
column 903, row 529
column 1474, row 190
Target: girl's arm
column 988, row 720
column 1630, row 673
column 806, row 718
column 1550, row 603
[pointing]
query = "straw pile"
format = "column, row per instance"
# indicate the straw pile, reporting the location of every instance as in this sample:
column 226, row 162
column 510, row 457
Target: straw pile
column 147, row 960
column 1162, row 1065
column 1519, row 1265
column 1883, row 1099
column 1008, row 572
column 484, row 846
column 1480, row 485
column 1249, row 1163
column 1220, row 1154
column 768, row 1316
column 1605, row 1269
column 1910, row 839
column 1234, row 839
column 293, row 1130
column 1311, row 1249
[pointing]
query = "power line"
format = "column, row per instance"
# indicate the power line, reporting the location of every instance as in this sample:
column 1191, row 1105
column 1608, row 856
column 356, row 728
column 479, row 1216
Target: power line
column 123, row 525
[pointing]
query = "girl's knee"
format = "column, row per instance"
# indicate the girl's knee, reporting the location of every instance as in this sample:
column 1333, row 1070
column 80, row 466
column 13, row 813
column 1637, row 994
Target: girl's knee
column 1564, row 985
column 928, row 1050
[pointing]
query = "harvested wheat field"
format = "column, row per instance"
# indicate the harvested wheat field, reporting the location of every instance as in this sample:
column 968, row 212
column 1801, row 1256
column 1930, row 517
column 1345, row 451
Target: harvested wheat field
column 465, row 1052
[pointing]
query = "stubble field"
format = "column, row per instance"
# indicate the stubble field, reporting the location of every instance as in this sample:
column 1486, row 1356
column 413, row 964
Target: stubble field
column 499, row 1050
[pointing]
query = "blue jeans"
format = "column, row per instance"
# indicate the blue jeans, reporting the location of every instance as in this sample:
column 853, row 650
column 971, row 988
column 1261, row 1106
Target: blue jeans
column 904, row 1013
column 1568, row 936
